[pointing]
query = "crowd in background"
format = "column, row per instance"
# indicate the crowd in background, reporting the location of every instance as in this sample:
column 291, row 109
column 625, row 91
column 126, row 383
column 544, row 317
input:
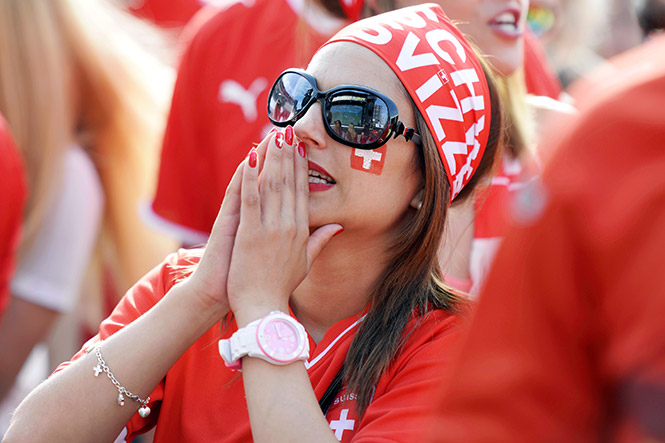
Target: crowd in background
column 122, row 123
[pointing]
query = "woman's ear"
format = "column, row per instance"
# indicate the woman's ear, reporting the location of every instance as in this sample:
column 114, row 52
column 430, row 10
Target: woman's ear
column 417, row 200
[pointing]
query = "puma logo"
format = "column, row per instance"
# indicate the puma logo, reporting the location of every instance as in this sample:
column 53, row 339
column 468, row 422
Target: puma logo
column 231, row 91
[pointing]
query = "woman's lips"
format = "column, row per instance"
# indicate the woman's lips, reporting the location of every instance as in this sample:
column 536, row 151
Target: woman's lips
column 507, row 24
column 319, row 178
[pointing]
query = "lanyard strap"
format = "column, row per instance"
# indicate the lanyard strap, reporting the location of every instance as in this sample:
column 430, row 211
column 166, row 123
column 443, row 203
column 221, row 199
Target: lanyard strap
column 329, row 396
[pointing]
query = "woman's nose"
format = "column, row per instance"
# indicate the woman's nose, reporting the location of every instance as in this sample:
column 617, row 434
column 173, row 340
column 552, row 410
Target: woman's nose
column 310, row 128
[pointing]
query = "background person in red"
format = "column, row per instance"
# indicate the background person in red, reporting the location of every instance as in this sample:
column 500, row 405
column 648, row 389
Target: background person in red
column 165, row 13
column 218, row 108
column 568, row 340
column 14, row 193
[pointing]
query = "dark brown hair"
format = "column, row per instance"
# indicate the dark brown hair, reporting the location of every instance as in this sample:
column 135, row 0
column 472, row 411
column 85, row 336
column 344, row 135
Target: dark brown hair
column 411, row 283
column 332, row 7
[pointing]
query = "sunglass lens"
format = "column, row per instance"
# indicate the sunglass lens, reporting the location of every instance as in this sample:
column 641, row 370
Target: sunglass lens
column 288, row 97
column 358, row 117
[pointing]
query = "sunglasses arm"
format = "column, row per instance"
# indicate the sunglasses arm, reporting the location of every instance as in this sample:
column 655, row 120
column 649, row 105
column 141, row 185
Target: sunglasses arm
column 408, row 133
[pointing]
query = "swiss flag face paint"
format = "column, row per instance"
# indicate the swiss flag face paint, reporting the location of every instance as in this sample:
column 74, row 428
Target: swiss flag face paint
column 442, row 75
column 367, row 160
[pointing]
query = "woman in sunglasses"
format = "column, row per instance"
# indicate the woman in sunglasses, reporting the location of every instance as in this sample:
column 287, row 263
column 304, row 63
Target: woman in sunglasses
column 337, row 338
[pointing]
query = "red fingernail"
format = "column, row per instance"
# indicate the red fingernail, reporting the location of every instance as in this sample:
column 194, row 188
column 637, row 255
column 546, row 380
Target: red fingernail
column 279, row 140
column 253, row 157
column 289, row 135
column 301, row 149
column 338, row 232
column 272, row 131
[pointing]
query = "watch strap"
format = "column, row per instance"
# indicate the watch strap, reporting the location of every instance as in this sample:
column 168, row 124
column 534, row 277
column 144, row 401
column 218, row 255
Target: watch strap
column 244, row 342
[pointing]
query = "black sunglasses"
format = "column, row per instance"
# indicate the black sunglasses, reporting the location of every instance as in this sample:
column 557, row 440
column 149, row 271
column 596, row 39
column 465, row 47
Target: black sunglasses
column 355, row 116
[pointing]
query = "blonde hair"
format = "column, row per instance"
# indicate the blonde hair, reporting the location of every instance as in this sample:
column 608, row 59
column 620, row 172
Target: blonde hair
column 518, row 117
column 69, row 74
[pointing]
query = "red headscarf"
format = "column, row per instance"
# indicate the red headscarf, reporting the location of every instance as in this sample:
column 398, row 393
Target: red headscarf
column 443, row 76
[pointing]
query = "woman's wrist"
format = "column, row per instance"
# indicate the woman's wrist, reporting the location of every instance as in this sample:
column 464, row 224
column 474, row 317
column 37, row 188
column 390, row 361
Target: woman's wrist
column 255, row 311
column 211, row 309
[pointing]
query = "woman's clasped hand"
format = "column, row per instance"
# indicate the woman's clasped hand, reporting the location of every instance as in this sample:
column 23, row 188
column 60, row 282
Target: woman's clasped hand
column 260, row 248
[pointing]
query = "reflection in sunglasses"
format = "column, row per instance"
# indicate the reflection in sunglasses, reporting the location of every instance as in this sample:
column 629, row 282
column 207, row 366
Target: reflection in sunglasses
column 353, row 115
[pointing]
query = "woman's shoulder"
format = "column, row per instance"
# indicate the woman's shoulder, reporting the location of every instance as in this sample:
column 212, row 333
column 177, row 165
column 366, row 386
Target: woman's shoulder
column 425, row 354
column 437, row 322
column 179, row 265
column 153, row 286
column 433, row 333
column 150, row 289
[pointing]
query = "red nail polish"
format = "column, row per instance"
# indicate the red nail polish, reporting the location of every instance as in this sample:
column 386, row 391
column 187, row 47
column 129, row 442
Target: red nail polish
column 301, row 149
column 289, row 135
column 279, row 140
column 338, row 232
column 253, row 157
column 272, row 131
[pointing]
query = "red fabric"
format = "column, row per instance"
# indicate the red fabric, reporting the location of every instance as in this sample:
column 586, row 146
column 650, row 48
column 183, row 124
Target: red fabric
column 208, row 132
column 495, row 202
column 568, row 340
column 14, row 193
column 166, row 13
column 200, row 400
column 538, row 73
column 443, row 76
column 352, row 8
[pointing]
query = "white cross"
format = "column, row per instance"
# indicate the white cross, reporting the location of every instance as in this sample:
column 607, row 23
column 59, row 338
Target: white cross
column 341, row 425
column 97, row 370
column 367, row 157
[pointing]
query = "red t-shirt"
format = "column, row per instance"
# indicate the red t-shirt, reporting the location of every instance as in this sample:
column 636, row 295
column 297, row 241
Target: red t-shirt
column 493, row 204
column 218, row 112
column 200, row 400
column 165, row 13
column 568, row 339
column 494, row 216
column 14, row 192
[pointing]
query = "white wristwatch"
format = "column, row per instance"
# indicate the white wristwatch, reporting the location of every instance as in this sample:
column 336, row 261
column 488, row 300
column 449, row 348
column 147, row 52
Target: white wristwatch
column 276, row 338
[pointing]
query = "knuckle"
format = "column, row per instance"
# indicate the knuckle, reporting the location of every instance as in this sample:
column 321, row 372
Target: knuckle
column 288, row 153
column 252, row 200
column 275, row 185
column 271, row 231
column 289, row 226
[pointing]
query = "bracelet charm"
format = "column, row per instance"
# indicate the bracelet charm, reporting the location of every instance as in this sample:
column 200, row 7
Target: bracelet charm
column 101, row 366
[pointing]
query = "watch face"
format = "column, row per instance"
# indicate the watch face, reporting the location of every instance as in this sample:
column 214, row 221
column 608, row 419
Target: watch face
column 280, row 339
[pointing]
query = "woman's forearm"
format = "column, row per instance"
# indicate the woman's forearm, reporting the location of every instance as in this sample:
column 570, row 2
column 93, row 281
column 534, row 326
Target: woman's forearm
column 281, row 403
column 74, row 405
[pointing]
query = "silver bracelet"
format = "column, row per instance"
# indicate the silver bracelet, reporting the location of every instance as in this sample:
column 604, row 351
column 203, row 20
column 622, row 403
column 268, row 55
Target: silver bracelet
column 144, row 410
